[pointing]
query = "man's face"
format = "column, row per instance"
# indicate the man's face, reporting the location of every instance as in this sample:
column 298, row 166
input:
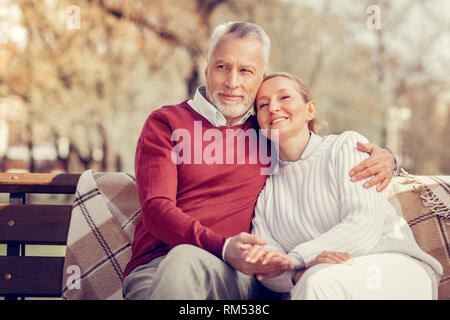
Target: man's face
column 233, row 75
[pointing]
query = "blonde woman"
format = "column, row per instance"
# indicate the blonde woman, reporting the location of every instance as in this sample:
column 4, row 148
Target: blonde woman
column 341, row 241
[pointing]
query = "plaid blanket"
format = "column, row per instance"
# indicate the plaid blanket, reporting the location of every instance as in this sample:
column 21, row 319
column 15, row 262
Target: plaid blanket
column 104, row 214
column 424, row 202
column 106, row 210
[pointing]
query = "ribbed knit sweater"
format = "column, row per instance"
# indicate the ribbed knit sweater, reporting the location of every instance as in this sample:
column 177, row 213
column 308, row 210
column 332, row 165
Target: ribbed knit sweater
column 311, row 205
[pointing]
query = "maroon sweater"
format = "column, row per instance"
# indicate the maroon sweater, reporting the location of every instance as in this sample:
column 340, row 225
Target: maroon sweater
column 191, row 203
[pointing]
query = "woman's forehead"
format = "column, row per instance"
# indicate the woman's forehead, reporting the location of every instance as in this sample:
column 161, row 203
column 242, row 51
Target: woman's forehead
column 277, row 84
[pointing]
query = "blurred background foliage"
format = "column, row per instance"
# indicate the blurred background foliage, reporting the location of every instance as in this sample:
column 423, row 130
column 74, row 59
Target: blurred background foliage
column 79, row 78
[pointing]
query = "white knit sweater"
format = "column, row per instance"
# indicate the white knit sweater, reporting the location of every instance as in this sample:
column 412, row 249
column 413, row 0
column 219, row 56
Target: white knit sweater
column 311, row 205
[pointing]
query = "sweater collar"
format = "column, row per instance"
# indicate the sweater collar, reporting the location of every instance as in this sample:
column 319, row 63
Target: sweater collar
column 208, row 111
column 313, row 143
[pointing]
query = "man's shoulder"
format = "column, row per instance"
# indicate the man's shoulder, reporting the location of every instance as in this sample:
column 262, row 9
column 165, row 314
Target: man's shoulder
column 172, row 114
column 170, row 111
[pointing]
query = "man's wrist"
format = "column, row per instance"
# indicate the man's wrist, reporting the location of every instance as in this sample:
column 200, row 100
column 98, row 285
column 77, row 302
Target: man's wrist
column 395, row 171
column 224, row 249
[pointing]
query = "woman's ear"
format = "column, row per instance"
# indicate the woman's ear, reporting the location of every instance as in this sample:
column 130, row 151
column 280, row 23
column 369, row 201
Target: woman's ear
column 311, row 110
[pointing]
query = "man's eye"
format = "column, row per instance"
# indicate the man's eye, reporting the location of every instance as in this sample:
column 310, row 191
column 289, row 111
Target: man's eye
column 246, row 70
column 221, row 66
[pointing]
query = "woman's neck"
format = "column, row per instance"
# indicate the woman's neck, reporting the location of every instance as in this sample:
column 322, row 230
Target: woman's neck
column 292, row 148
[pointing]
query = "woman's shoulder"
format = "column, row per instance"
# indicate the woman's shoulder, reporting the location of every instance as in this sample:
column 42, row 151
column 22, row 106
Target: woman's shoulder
column 344, row 144
column 346, row 138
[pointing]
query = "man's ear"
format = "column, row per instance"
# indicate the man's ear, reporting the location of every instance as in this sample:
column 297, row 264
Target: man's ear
column 206, row 69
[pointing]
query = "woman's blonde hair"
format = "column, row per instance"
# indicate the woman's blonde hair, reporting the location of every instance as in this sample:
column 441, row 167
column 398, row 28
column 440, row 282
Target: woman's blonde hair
column 303, row 90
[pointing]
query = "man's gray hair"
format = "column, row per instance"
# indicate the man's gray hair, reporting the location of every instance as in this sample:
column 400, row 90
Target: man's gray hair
column 241, row 30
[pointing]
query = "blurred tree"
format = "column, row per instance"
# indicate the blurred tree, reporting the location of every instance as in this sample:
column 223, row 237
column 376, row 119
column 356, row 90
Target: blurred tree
column 94, row 84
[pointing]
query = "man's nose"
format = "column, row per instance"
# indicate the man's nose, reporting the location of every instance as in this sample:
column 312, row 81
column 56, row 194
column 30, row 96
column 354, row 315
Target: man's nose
column 232, row 81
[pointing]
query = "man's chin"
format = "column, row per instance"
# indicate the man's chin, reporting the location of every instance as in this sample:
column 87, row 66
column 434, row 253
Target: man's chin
column 232, row 110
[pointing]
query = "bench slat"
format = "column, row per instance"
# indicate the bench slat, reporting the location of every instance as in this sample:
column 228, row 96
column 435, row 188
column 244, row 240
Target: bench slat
column 34, row 224
column 31, row 276
column 38, row 182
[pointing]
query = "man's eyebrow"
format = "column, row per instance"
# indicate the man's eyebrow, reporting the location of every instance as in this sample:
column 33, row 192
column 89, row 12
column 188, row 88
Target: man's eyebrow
column 247, row 66
column 220, row 61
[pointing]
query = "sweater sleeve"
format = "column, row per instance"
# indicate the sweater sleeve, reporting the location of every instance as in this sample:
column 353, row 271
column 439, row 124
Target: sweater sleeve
column 361, row 211
column 282, row 282
column 157, row 180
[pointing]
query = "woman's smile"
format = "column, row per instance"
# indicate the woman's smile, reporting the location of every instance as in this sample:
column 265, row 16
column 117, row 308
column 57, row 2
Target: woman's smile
column 276, row 120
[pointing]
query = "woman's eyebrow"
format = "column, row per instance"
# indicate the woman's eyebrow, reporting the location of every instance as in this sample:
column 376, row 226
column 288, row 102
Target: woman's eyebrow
column 261, row 98
column 278, row 91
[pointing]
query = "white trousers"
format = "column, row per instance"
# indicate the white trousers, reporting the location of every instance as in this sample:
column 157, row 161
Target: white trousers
column 390, row 276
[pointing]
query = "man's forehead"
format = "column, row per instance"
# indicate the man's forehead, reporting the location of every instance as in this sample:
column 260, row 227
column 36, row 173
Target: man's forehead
column 247, row 49
column 241, row 60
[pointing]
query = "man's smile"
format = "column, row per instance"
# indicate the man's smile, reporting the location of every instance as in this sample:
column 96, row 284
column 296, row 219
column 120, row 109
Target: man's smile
column 230, row 97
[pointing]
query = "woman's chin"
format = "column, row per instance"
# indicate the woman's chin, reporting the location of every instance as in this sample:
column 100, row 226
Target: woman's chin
column 272, row 133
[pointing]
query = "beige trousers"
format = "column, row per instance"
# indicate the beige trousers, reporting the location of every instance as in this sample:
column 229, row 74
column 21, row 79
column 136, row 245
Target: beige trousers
column 372, row 277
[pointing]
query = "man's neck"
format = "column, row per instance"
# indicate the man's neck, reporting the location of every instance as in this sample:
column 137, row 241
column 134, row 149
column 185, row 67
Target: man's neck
column 233, row 121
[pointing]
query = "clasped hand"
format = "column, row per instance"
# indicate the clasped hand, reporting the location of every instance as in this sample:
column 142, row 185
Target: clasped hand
column 245, row 253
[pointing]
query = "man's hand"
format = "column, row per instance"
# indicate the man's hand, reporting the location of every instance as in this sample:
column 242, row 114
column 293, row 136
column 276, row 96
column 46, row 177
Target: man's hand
column 379, row 165
column 236, row 254
column 267, row 263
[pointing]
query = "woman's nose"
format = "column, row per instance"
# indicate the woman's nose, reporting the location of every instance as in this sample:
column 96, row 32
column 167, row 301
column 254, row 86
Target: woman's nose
column 274, row 106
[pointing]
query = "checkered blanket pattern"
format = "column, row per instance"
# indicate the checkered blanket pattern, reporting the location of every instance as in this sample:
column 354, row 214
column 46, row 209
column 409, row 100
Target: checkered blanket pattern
column 104, row 214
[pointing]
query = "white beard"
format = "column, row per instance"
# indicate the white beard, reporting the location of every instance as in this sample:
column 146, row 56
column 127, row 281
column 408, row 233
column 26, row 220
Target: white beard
column 231, row 110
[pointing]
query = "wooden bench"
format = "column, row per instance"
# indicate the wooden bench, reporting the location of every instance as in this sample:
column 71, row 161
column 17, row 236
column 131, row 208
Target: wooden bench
column 24, row 224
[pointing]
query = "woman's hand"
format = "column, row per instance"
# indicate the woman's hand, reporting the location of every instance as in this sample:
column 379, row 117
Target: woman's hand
column 330, row 257
column 323, row 257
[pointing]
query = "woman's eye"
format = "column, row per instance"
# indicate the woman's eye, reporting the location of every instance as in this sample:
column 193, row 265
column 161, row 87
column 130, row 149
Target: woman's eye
column 262, row 105
column 285, row 97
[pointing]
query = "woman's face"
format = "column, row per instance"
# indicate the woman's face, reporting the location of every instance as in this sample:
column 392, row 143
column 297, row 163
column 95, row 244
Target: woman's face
column 281, row 106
